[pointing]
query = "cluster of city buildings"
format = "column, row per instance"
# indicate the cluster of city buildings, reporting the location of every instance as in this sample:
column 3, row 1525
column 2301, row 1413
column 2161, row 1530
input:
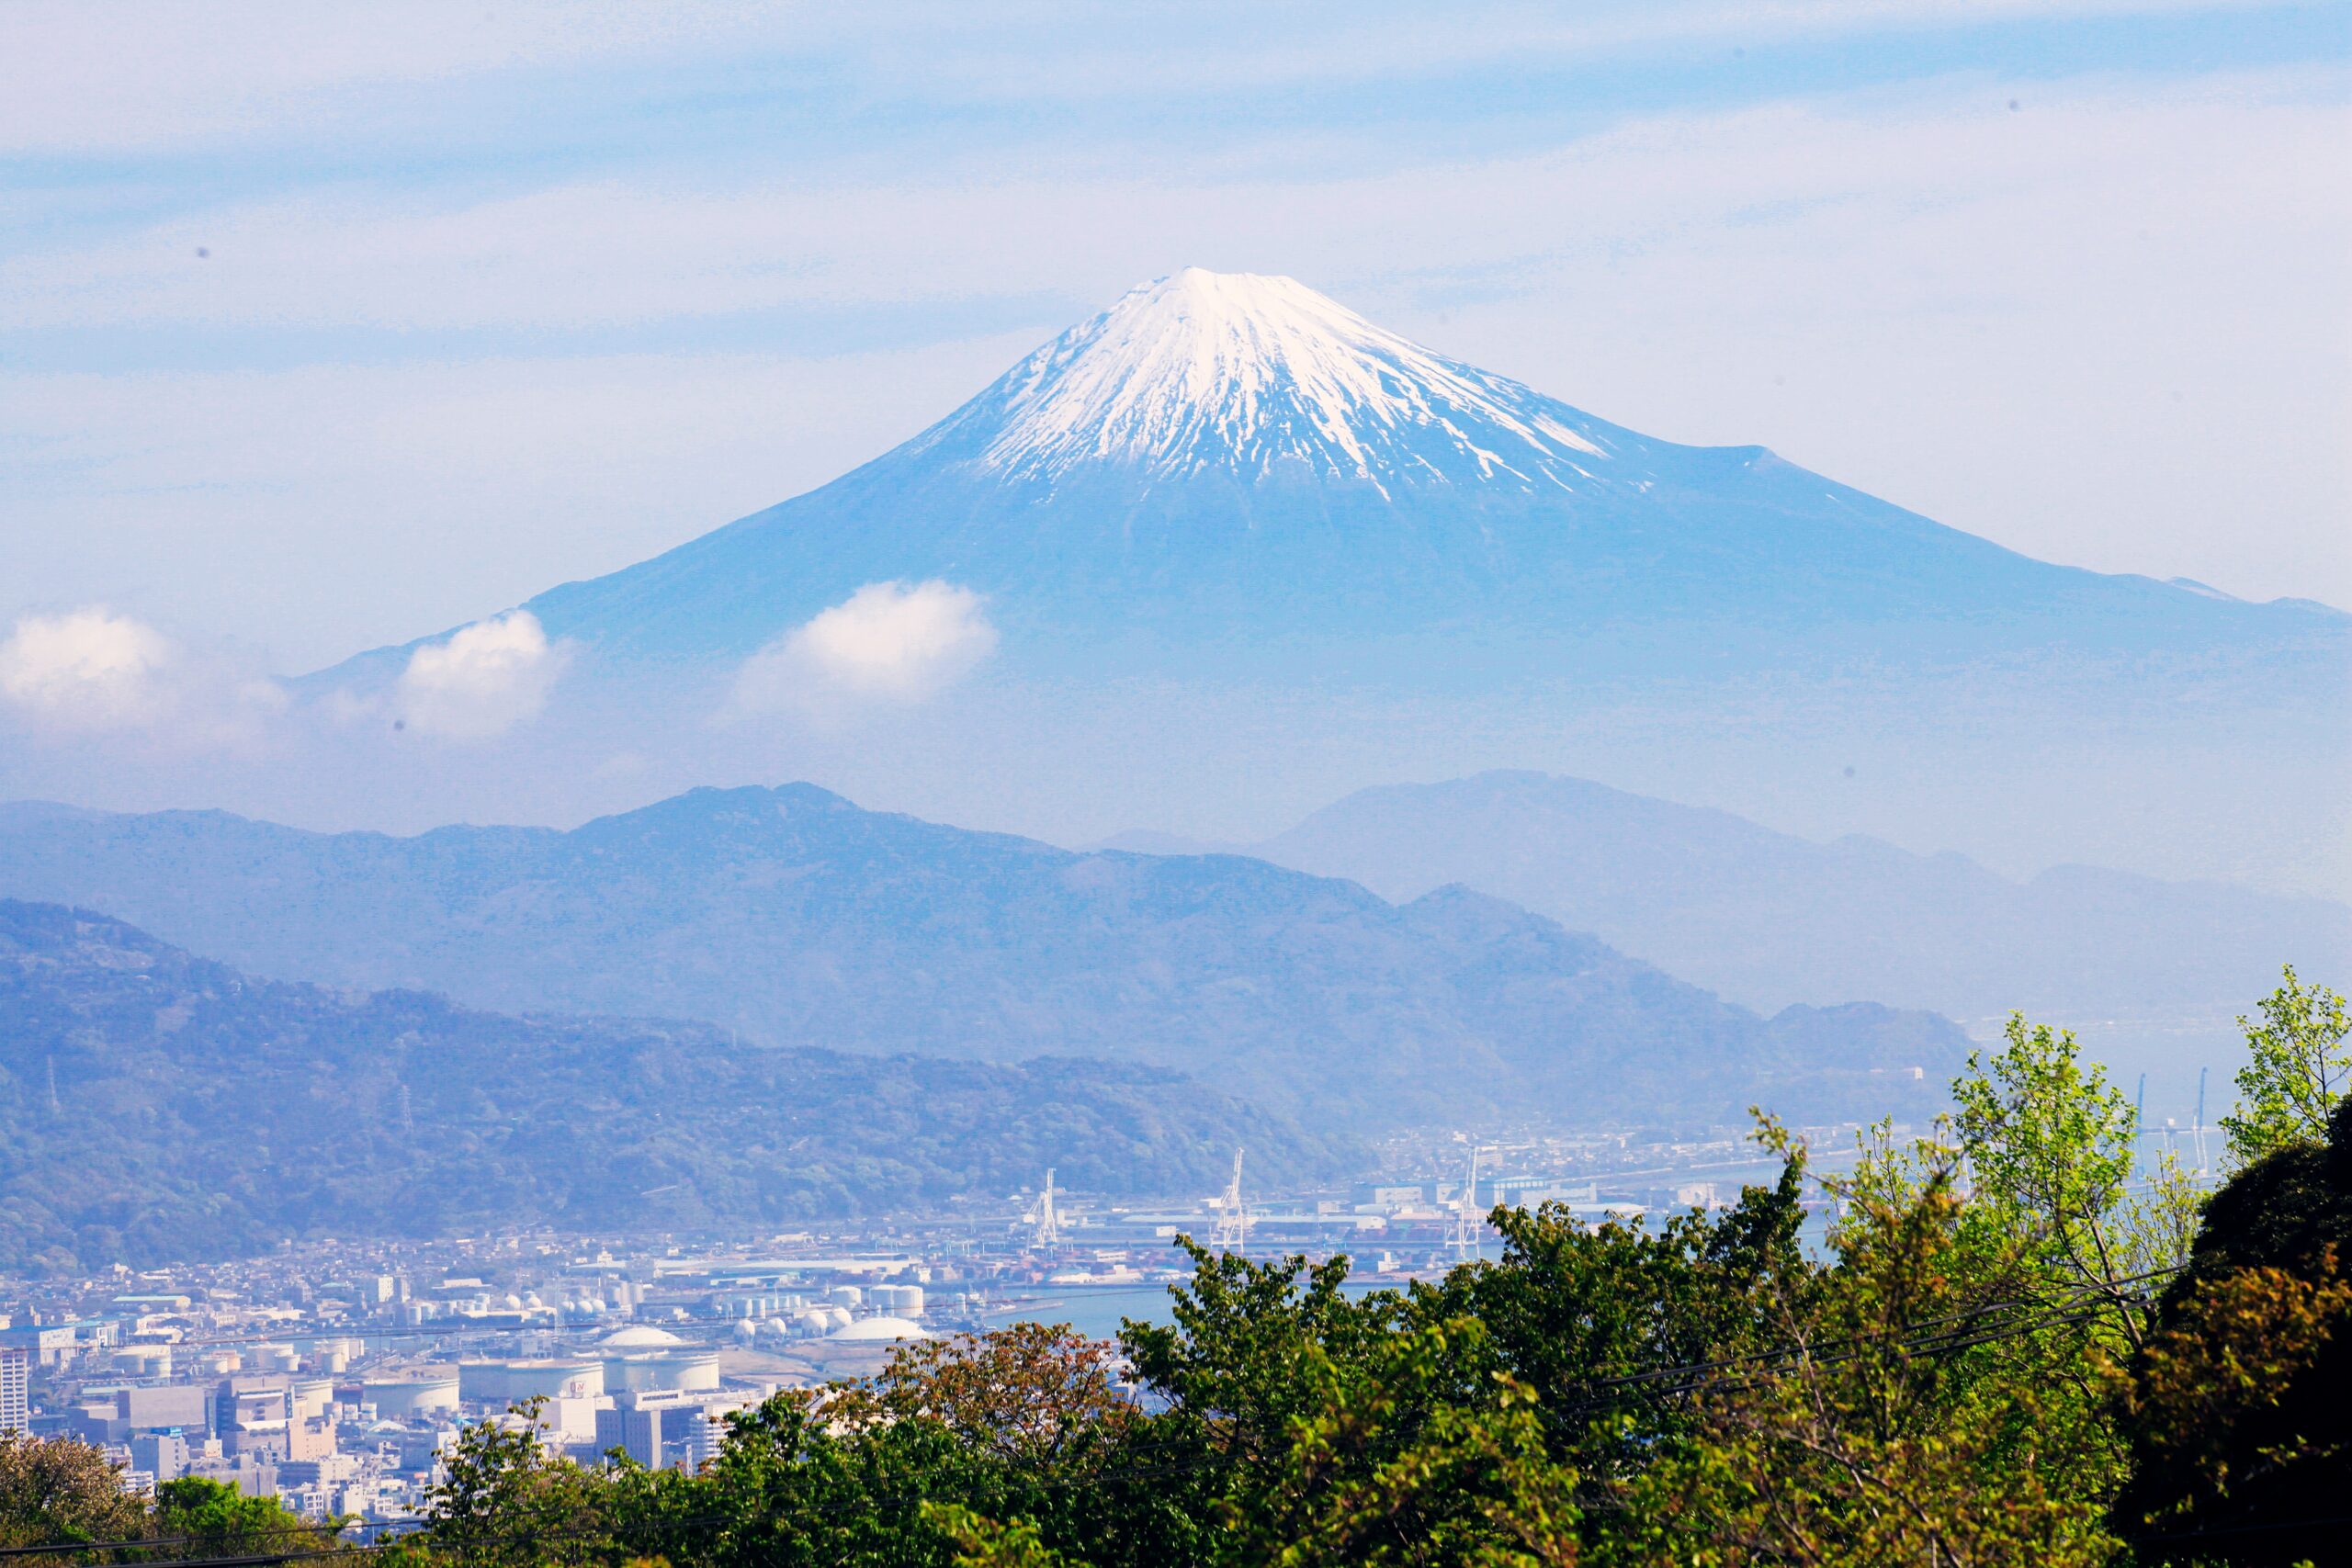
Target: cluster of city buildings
column 337, row 1376
column 341, row 1391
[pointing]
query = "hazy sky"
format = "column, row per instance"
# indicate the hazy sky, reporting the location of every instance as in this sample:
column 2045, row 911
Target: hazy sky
column 323, row 327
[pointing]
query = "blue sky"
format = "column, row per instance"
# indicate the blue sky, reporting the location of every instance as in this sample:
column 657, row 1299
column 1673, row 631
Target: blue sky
column 498, row 295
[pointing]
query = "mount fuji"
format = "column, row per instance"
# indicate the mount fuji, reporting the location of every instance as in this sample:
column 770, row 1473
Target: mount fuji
column 1227, row 550
column 1222, row 459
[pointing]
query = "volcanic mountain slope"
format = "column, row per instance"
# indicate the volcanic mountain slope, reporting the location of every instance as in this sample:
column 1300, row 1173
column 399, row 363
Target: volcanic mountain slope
column 1227, row 456
column 799, row 919
column 1229, row 550
column 1770, row 919
column 156, row 1106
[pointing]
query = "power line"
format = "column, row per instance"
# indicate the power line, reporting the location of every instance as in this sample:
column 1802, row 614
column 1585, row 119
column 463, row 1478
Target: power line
column 148, row 1542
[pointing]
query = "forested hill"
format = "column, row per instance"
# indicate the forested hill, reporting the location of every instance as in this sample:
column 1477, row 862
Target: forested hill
column 155, row 1106
column 802, row 919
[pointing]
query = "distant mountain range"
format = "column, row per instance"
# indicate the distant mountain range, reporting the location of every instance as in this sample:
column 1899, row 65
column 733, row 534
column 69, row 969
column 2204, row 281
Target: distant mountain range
column 801, row 921
column 155, row 1106
column 1227, row 550
column 1770, row 919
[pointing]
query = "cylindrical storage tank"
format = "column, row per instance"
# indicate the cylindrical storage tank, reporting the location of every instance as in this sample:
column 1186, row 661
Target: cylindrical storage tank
column 143, row 1360
column 309, row 1397
column 272, row 1359
column 663, row 1370
column 517, row 1379
column 845, row 1295
column 693, row 1370
column 397, row 1397
column 903, row 1301
column 640, row 1371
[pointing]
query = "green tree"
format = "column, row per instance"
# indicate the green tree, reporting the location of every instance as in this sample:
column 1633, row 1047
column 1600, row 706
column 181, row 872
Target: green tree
column 1031, row 1393
column 2240, row 1412
column 1042, row 1434
column 1594, row 1318
column 1384, row 1466
column 1876, row 1429
column 2050, row 1143
column 508, row 1501
column 983, row 1543
column 209, row 1518
column 1231, row 1368
column 2233, row 1429
column 55, row 1489
column 2300, row 1070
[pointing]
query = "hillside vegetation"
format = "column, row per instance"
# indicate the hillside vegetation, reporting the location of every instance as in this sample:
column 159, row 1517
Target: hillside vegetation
column 156, row 1106
column 797, row 919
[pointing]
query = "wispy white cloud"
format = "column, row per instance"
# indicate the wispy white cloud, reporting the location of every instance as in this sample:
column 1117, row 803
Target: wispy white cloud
column 613, row 253
column 888, row 643
column 174, row 74
column 93, row 672
column 481, row 681
column 170, row 72
column 2070, row 327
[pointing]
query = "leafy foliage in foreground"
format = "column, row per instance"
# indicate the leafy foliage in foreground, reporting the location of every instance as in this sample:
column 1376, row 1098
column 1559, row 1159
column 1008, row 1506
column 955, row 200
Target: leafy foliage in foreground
column 57, row 1493
column 2301, row 1064
column 2009, row 1353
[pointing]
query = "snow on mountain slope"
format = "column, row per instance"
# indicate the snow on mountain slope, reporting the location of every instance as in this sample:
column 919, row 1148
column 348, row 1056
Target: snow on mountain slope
column 1205, row 369
column 1221, row 466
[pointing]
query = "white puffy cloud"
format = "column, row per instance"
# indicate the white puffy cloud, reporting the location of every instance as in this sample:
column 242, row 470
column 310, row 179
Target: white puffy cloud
column 482, row 681
column 94, row 673
column 88, row 670
column 891, row 642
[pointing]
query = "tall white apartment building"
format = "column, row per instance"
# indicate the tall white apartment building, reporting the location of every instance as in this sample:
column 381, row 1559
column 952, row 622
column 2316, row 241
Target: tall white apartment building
column 16, row 1389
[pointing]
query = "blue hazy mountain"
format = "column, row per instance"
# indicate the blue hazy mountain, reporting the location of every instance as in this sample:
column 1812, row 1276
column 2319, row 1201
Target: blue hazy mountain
column 800, row 920
column 1238, row 466
column 155, row 1106
column 1241, row 551
column 1770, row 919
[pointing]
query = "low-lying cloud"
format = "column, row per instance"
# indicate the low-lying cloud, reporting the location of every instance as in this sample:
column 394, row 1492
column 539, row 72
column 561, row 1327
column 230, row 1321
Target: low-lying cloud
column 482, row 681
column 95, row 675
column 88, row 671
column 889, row 642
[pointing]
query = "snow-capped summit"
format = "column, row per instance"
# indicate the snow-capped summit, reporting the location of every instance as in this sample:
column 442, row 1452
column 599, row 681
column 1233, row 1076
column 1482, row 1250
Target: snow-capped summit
column 1250, row 375
column 1237, row 468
